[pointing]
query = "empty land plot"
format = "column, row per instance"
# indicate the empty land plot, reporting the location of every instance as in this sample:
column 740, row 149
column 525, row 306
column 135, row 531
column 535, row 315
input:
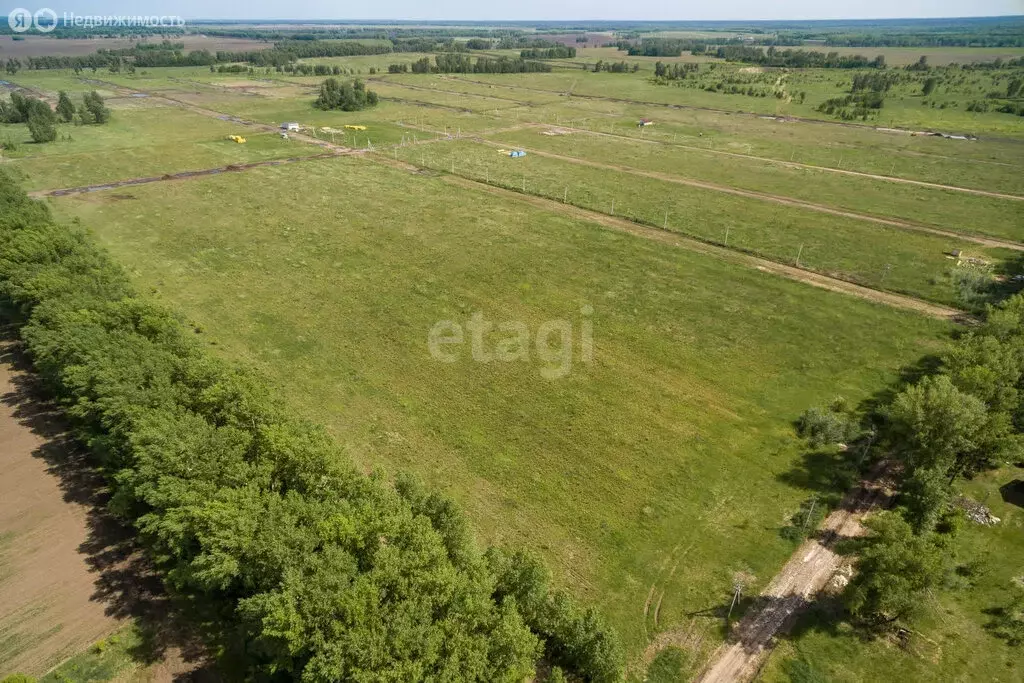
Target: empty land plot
column 902, row 108
column 674, row 445
column 453, row 84
column 956, row 211
column 980, row 164
column 867, row 253
column 140, row 140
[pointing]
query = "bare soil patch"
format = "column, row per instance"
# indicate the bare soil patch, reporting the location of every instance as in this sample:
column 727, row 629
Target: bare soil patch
column 48, row 609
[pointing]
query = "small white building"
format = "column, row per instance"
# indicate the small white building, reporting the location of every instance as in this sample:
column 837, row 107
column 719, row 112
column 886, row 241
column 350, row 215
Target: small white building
column 290, row 126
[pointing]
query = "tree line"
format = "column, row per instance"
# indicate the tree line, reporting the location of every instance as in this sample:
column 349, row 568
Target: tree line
column 297, row 565
column 558, row 52
column 797, row 59
column 965, row 417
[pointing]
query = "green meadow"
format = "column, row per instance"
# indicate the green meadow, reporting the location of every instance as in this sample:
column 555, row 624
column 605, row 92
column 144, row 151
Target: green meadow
column 673, row 445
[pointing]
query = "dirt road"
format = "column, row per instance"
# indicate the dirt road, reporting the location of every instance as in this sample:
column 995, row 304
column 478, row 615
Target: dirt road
column 776, row 199
column 792, row 590
column 795, row 164
column 674, row 239
column 48, row 606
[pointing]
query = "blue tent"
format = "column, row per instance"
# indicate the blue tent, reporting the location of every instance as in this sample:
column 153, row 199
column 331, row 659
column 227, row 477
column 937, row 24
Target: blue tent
column 517, row 153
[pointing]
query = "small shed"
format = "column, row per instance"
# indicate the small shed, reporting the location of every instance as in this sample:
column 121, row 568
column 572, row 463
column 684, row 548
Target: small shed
column 290, row 126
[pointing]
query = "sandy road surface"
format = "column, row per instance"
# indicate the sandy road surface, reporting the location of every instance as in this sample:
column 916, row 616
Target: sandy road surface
column 793, row 589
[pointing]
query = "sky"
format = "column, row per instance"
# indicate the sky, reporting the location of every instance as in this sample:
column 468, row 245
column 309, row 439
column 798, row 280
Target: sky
column 538, row 9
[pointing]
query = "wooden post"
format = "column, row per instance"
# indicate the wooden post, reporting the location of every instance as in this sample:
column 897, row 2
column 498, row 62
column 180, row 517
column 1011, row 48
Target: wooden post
column 565, row 195
column 798, row 255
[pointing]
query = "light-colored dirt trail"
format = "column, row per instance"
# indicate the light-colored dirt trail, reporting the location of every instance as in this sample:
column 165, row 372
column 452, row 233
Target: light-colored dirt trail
column 732, row 112
column 764, row 265
column 183, row 175
column 793, row 589
column 47, row 606
column 776, row 199
column 790, row 164
column 795, row 164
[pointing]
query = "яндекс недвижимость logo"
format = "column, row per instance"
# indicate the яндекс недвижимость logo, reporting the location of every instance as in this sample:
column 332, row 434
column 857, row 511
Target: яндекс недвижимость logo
column 45, row 20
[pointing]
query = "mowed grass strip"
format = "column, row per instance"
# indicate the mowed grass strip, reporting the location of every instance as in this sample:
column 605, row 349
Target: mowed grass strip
column 972, row 214
column 676, row 436
column 863, row 252
column 140, row 141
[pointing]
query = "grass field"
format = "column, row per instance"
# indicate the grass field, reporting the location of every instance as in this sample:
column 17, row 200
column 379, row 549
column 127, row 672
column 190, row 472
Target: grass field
column 669, row 461
column 141, row 140
column 599, row 470
column 860, row 251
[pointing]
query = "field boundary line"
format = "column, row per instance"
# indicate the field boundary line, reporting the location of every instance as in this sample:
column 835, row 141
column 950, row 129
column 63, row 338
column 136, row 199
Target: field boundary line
column 732, row 112
column 793, row 164
column 762, row 264
column 778, row 199
column 182, row 175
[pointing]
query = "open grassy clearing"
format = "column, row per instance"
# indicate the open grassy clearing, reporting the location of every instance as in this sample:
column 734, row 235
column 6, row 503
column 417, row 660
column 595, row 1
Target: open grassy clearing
column 867, row 253
column 141, row 139
column 954, row 210
column 950, row 640
column 699, row 366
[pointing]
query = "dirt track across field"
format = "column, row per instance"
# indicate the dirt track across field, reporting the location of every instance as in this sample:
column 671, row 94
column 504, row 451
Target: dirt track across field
column 764, row 265
column 794, row 588
column 794, row 164
column 47, row 587
column 184, row 175
column 776, row 199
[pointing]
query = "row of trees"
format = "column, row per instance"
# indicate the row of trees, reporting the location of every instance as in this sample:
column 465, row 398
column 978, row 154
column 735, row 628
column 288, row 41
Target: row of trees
column 347, row 96
column 559, row 52
column 674, row 72
column 455, row 63
column 42, row 120
column 797, row 59
column 297, row 565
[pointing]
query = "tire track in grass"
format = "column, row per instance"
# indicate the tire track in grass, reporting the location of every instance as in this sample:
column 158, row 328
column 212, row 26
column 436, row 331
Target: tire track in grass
column 796, row 164
column 777, row 199
column 764, row 265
